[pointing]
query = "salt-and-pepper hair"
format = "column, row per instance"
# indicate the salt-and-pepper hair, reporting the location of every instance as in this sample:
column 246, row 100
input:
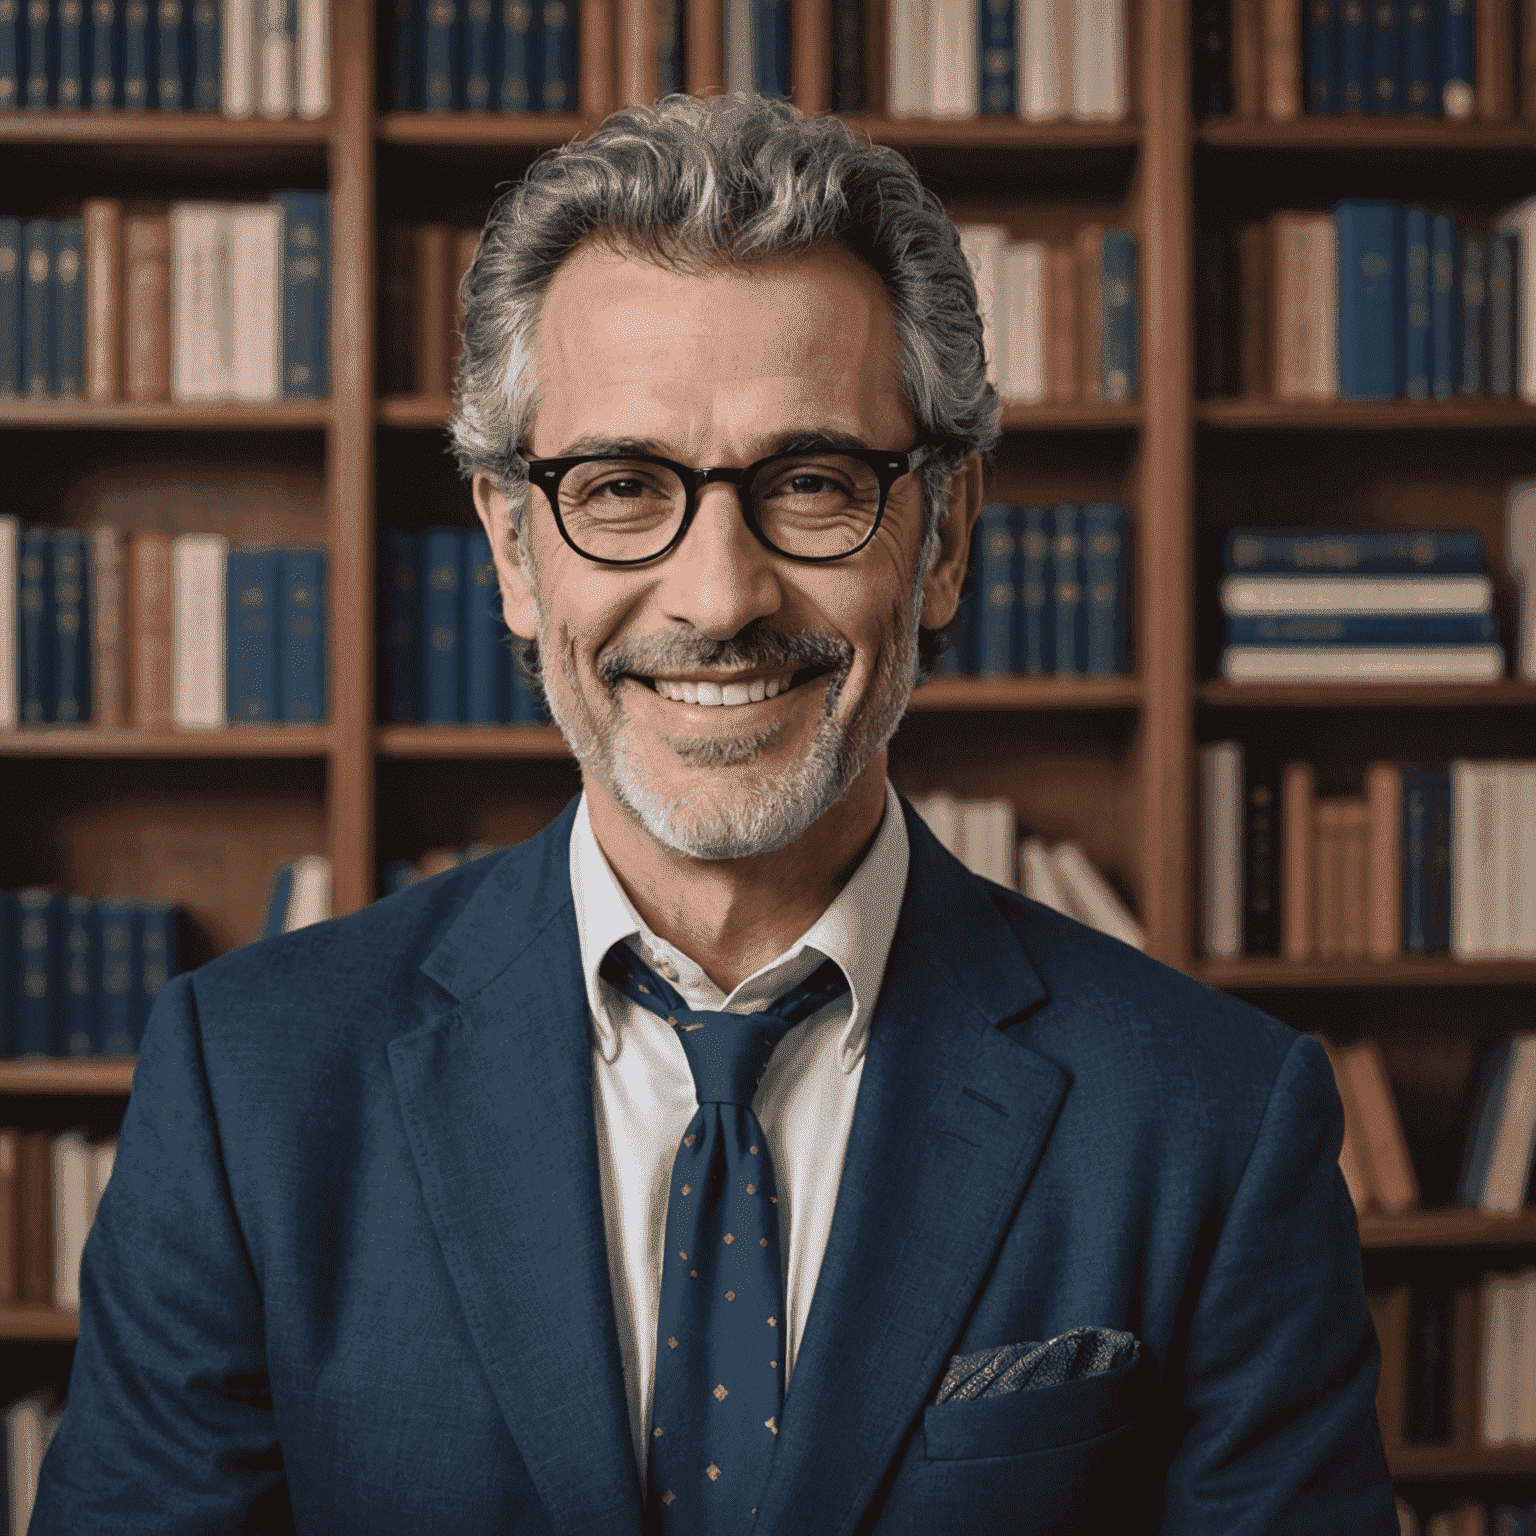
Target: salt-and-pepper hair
column 704, row 184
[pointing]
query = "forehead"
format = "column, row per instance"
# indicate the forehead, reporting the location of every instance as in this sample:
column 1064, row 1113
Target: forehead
column 625, row 346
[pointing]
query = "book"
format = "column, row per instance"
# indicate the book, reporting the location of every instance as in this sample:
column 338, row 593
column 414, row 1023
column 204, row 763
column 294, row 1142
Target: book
column 1092, row 898
column 1254, row 596
column 1474, row 834
column 1117, row 324
column 302, row 646
column 147, row 306
column 39, row 920
column 10, row 972
column 1354, row 55
column 1022, row 323
column 443, row 675
column 997, row 59
column 988, row 840
column 36, row 1189
column 1106, row 580
column 10, row 1215
column 36, row 676
column 275, row 44
column 1211, row 76
column 1386, row 93
column 140, row 68
column 202, row 303
column 1416, row 362
column 311, row 59
column 149, row 629
column 252, row 657
column 1034, row 640
column 522, row 51
column 1063, row 375
column 101, row 220
column 432, row 308
column 1474, row 315
column 1493, row 29
column 71, row 656
column 1039, row 878
column 402, row 607
column 80, row 978
column 1046, row 45
column 483, row 629
column 1420, row 98
column 1520, row 559
column 1254, row 295
column 1221, row 842
column 10, row 556
column 1513, row 1138
column 1262, row 834
column 1362, row 663
column 1458, row 95
column 13, row 54
column 1431, row 1366
column 69, row 92
column 473, row 91
column 1303, row 266
column 1503, row 264
column 1371, row 297
column 1355, row 1150
column 306, row 295
column 30, row 1423
column 237, row 58
column 158, row 958
column 40, row 365
column 1392, row 1171
column 848, row 56
column 1369, row 629
column 170, row 43
column 1384, row 882
column 982, row 245
column 953, row 54
column 1281, row 60
column 1520, row 896
column 998, row 593
column 120, row 962
column 42, row 56
column 71, row 1215
column 310, row 900
column 198, row 699
column 1065, row 582
column 1089, row 247
column 1098, row 61
column 256, row 296
column 1248, row 60
column 1297, row 795
column 1520, row 221
column 12, row 332
column 205, row 56
column 1374, row 552
column 557, row 75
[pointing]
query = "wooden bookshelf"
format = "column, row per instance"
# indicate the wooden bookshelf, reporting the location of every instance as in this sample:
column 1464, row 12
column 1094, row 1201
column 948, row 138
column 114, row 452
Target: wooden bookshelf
column 34, row 1075
column 1368, row 415
column 1259, row 975
column 1377, row 133
column 1509, row 693
column 67, row 415
column 235, row 741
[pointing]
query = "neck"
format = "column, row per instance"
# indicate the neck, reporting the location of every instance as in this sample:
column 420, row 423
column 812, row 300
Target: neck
column 732, row 916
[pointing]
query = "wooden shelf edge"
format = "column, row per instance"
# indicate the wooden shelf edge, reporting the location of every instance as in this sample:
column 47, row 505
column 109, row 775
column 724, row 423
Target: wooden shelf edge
column 1024, row 693
column 1480, row 415
column 1457, row 1461
column 249, row 741
column 470, row 741
column 281, row 415
column 466, row 130
column 166, row 128
column 1454, row 1227
column 49, row 1074
column 1340, row 132
column 1219, row 693
column 22, row 1322
column 1408, row 971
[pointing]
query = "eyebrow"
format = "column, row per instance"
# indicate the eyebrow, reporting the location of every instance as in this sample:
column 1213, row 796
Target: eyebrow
column 803, row 440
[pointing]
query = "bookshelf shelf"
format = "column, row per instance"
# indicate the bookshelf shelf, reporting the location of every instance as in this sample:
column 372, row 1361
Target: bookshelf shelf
column 248, row 741
column 461, row 130
column 1510, row 693
column 471, row 741
column 1367, row 415
column 140, row 129
column 280, row 416
column 1409, row 971
column 992, row 133
column 1455, row 1227
column 1428, row 1461
column 1020, row 693
column 66, row 1076
column 38, row 1323
column 1390, row 133
column 429, row 411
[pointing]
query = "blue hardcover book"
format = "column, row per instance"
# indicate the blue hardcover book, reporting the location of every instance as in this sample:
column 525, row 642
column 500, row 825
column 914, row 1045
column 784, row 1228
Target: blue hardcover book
column 306, row 295
column 250, row 596
column 1106, row 580
column 1117, row 293
column 441, row 46
column 206, row 58
column 68, row 292
column 964, row 631
column 10, row 967
column 847, row 56
column 42, row 53
column 998, row 72
column 12, row 330
column 40, row 362
column 71, row 629
column 157, row 954
column 1416, row 313
column 1066, row 585
column 994, row 580
column 1503, row 264
column 1381, row 552
column 1034, row 640
column 403, row 647
column 1489, row 1087
column 483, row 632
column 13, row 53
column 1437, row 789
column 522, row 48
column 301, row 636
column 770, row 46
column 106, row 66
column 1354, row 55
column 669, row 47
column 1444, row 308
column 1457, row 61
column 1474, row 314
column 172, row 74
column 69, row 95
column 82, row 973
column 398, row 876
column 443, row 672
column 1421, row 83
column 279, row 893
column 1415, row 866
column 1430, row 1363
column 1386, row 94
column 1371, row 298
column 1322, row 45
column 404, row 57
column 557, row 70
column 139, row 63
column 1363, row 629
column 480, row 37
column 116, row 1012
column 35, row 674
column 39, row 1013
column 1211, row 75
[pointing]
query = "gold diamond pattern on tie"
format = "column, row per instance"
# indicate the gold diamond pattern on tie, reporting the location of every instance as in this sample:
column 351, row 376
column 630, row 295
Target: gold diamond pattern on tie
column 687, row 1190
column 671, row 1343
column 688, row 1141
column 656, row 1433
column 751, row 1189
column 762, row 1242
column 711, row 1471
column 767, row 1424
column 773, row 1365
column 752, row 1150
column 729, row 1239
column 668, row 1496
column 773, row 1322
column 730, row 1295
column 720, row 1394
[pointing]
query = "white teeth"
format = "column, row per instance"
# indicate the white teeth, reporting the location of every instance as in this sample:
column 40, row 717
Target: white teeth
column 774, row 688
column 710, row 694
column 735, row 693
column 756, row 689
column 689, row 692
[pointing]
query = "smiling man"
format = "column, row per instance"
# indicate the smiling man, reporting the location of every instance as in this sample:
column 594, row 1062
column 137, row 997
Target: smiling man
column 725, row 1158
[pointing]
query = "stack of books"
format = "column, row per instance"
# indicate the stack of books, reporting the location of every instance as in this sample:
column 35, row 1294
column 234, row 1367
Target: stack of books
column 402, row 874
column 238, row 57
column 449, row 657
column 1059, row 323
column 1049, row 593
column 78, row 976
column 197, row 303
column 1374, row 1155
column 158, row 631
column 1404, row 605
column 983, row 835
column 475, row 56
column 419, row 312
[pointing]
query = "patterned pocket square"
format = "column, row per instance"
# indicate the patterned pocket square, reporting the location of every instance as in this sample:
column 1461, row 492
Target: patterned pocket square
column 1018, row 1367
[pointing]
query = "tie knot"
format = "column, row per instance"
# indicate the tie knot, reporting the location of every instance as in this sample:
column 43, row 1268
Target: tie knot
column 728, row 1052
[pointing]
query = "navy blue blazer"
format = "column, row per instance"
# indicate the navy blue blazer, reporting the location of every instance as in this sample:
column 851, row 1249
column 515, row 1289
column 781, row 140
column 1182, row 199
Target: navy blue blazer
column 350, row 1276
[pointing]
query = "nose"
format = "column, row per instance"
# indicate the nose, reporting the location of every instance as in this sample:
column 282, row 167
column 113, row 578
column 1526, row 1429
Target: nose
column 720, row 577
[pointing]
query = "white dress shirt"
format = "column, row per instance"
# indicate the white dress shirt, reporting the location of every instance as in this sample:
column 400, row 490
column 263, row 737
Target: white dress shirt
column 645, row 1097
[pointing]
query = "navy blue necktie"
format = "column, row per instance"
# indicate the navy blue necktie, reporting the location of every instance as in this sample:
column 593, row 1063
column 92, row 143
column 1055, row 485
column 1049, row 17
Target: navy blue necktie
column 719, row 1380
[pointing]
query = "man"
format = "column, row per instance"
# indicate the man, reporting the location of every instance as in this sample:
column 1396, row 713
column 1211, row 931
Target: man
column 726, row 1157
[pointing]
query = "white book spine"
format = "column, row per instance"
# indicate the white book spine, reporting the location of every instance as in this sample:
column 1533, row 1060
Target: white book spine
column 1525, row 1422
column 10, row 544
column 310, row 900
column 1221, row 787
column 1519, row 1353
column 202, row 304
column 237, row 58
column 71, row 1215
column 1495, row 1427
column 1499, row 885
column 1509, row 1163
column 740, row 71
column 1093, row 896
column 198, row 565
column 1465, row 793
column 1320, row 359
column 103, row 1159
column 1098, row 60
column 274, row 58
column 940, row 811
column 1044, row 32
column 312, row 58
column 1520, row 548
column 24, row 1444
column 1002, row 863
column 983, row 247
column 1362, row 663
column 909, row 73
column 256, row 283
column 1038, row 877
column 954, row 91
column 1021, row 341
column 1261, row 596
column 1521, row 219
column 1523, row 941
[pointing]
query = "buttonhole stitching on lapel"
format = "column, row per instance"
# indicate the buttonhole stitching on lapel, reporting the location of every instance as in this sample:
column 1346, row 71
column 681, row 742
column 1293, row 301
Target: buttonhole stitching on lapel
column 981, row 1098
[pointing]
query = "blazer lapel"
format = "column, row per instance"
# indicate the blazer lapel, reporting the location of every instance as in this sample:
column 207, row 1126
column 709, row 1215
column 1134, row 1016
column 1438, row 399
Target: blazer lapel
column 950, row 1122
column 496, row 1098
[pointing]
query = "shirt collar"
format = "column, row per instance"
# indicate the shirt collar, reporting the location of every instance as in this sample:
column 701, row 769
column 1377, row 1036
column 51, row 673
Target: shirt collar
column 855, row 931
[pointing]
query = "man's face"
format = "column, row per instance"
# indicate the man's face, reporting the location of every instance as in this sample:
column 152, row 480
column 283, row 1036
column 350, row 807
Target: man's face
column 715, row 370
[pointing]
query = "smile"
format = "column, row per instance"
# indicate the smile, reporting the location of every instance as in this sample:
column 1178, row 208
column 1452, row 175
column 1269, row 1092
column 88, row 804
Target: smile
column 708, row 693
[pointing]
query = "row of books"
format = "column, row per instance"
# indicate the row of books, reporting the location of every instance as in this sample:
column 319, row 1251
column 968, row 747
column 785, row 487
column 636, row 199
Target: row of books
column 202, row 302
column 300, row 894
column 448, row 655
column 1277, row 59
column 983, row 835
column 1049, row 593
column 1425, row 862
column 1431, row 622
column 1467, row 1518
column 480, row 56
column 50, row 1186
column 202, row 637
column 402, row 874
column 79, row 975
column 1058, row 322
column 419, row 313
column 238, row 57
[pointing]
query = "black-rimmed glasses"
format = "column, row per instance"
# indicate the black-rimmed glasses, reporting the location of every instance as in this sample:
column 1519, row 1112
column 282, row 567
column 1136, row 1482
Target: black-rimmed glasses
column 814, row 504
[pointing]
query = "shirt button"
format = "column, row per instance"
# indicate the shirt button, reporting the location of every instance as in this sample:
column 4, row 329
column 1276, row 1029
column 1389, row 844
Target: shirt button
column 667, row 969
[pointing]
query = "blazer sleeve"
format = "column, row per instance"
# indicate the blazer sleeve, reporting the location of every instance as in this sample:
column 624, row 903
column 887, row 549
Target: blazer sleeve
column 1280, row 1432
column 168, row 1425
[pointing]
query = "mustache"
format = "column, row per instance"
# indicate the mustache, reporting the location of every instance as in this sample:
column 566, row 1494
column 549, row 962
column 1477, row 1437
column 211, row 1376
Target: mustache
column 758, row 644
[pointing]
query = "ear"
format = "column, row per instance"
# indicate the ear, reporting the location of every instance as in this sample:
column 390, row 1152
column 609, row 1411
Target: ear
column 517, row 604
column 941, row 586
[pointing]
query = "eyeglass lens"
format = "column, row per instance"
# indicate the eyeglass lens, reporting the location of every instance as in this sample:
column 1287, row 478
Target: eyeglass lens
column 810, row 505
